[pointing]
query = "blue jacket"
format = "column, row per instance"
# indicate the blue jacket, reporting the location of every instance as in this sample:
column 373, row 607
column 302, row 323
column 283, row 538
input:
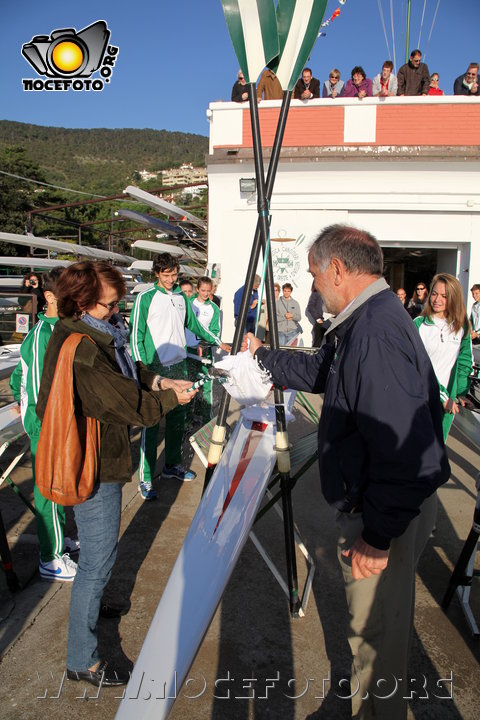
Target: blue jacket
column 237, row 300
column 380, row 441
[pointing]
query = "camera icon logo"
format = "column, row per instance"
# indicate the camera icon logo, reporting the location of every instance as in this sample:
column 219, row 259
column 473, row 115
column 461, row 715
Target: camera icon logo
column 66, row 53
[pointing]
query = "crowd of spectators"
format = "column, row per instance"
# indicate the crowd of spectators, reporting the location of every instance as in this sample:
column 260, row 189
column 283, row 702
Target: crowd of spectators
column 413, row 79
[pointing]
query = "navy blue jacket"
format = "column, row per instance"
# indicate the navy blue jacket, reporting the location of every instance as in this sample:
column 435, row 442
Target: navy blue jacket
column 237, row 301
column 380, row 439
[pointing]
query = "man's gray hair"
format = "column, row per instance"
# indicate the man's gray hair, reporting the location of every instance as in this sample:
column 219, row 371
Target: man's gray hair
column 357, row 249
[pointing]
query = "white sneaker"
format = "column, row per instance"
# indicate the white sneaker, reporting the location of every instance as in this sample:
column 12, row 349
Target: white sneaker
column 62, row 568
column 70, row 545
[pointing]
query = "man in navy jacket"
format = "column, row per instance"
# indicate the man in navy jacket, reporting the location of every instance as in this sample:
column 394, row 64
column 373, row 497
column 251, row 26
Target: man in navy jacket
column 381, row 454
column 252, row 308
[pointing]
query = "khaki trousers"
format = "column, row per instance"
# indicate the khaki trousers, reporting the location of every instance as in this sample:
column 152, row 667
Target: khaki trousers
column 381, row 618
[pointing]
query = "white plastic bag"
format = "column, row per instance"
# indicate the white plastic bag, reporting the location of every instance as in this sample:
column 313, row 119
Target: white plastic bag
column 248, row 383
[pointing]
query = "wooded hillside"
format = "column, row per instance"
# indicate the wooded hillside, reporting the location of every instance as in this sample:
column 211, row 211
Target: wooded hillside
column 101, row 160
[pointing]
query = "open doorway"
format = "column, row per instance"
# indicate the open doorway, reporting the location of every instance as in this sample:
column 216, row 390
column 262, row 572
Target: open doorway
column 405, row 267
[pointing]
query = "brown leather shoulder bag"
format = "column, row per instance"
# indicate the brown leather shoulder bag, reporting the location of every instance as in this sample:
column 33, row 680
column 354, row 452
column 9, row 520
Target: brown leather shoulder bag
column 68, row 452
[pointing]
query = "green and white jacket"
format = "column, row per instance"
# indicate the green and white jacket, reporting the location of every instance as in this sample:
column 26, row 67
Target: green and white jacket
column 157, row 327
column 459, row 380
column 25, row 379
column 208, row 315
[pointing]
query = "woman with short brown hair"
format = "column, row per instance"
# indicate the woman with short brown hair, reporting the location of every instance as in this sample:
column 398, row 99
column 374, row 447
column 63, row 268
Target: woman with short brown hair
column 110, row 387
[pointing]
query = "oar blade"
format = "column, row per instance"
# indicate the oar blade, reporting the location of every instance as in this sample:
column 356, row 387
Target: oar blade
column 298, row 23
column 253, row 30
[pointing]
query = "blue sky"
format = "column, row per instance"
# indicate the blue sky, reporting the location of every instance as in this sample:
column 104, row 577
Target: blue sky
column 176, row 57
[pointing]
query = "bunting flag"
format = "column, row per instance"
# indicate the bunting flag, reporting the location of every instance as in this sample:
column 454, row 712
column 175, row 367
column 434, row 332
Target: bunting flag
column 335, row 14
column 253, row 30
column 298, row 22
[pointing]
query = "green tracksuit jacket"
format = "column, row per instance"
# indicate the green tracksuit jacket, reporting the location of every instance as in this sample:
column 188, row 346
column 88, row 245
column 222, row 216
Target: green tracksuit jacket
column 157, row 327
column 25, row 379
column 25, row 385
column 459, row 381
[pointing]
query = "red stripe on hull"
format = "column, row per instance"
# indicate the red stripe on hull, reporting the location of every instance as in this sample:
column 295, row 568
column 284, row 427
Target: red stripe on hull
column 250, row 446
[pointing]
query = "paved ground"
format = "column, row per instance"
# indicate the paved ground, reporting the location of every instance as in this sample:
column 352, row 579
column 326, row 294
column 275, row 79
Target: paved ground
column 264, row 664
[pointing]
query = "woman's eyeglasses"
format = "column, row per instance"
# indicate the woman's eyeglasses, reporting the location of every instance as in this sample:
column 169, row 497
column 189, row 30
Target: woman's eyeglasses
column 108, row 306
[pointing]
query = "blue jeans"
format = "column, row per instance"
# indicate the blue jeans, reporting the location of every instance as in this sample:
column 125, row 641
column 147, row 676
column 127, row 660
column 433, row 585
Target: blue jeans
column 98, row 523
column 284, row 338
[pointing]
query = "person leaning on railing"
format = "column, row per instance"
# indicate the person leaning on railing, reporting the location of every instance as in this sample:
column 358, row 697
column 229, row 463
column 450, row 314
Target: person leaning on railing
column 467, row 84
column 333, row 87
column 359, row 85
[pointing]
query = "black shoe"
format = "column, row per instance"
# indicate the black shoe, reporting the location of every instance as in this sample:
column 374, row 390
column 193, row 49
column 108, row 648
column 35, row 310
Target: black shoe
column 109, row 611
column 102, row 676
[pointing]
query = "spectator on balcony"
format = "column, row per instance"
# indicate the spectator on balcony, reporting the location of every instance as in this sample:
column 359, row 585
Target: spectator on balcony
column 269, row 86
column 467, row 84
column 239, row 90
column 307, row 86
column 359, row 86
column 413, row 77
column 434, row 89
column 333, row 87
column 385, row 83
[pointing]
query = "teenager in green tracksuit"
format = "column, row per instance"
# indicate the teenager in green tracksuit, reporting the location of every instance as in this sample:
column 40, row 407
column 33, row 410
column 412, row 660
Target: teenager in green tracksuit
column 25, row 384
column 208, row 314
column 157, row 338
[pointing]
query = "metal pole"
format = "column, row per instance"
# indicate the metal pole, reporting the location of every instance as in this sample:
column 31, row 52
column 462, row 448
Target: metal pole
column 459, row 576
column 282, row 445
column 407, row 44
column 218, row 435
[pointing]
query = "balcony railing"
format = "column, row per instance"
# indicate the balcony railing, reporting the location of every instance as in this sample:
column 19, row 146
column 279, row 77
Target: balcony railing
column 448, row 120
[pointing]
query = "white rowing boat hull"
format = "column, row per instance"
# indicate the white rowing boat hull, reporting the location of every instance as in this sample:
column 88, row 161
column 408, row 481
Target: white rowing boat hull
column 9, row 358
column 208, row 556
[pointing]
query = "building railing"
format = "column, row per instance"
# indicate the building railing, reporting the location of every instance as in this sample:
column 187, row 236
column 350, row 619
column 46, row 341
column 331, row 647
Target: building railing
column 447, row 120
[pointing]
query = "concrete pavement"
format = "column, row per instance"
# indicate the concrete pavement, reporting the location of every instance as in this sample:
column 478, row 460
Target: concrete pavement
column 255, row 661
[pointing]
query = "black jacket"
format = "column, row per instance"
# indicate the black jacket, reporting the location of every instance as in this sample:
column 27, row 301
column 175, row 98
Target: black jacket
column 237, row 92
column 300, row 87
column 460, row 89
column 380, row 439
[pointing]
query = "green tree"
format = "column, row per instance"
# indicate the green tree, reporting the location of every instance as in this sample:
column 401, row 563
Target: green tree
column 17, row 197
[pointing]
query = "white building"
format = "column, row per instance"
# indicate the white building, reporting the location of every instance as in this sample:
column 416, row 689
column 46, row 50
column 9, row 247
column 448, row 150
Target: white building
column 406, row 169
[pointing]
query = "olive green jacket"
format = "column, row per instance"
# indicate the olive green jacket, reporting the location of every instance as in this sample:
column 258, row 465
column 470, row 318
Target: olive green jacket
column 102, row 392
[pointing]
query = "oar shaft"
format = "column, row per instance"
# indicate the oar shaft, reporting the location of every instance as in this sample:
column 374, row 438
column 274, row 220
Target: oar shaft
column 281, row 439
column 218, row 436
